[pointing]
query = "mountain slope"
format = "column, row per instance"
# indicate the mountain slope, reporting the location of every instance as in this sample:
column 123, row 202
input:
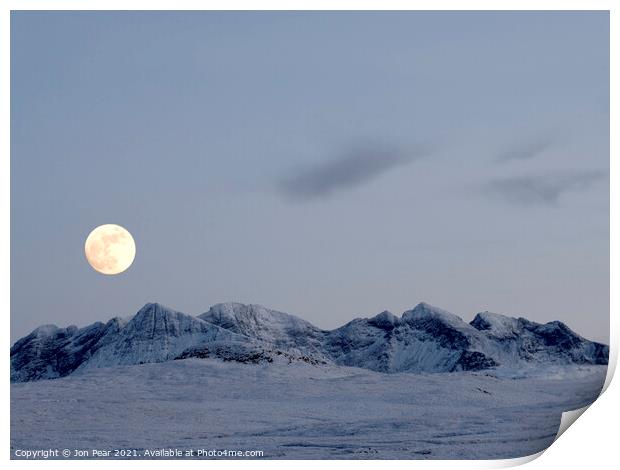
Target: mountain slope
column 154, row 334
column 518, row 339
column 280, row 329
column 423, row 339
column 50, row 352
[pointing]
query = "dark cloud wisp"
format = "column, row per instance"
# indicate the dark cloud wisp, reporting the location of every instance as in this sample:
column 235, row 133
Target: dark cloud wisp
column 542, row 189
column 356, row 167
column 527, row 149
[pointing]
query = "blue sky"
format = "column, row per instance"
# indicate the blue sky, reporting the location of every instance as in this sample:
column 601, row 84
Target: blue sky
column 331, row 165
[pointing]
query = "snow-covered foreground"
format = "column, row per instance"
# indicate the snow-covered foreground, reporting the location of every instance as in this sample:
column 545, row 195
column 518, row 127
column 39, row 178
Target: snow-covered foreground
column 298, row 410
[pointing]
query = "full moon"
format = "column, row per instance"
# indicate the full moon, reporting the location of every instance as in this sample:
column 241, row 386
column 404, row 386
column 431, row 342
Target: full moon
column 110, row 249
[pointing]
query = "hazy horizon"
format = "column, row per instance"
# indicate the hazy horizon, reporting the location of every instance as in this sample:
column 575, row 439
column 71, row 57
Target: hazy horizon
column 331, row 165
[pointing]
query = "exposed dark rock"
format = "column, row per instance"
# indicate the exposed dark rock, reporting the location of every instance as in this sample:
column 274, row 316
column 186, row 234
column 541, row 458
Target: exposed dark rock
column 424, row 339
column 474, row 360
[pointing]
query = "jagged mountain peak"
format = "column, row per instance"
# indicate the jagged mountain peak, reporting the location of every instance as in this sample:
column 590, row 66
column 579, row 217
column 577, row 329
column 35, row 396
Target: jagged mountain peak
column 492, row 316
column 154, row 308
column 252, row 319
column 556, row 324
column 255, row 321
column 45, row 330
column 424, row 313
column 156, row 316
column 385, row 320
column 423, row 339
column 556, row 333
column 44, row 334
column 424, row 309
column 156, row 320
column 155, row 311
column 239, row 309
column 118, row 321
column 502, row 326
column 496, row 324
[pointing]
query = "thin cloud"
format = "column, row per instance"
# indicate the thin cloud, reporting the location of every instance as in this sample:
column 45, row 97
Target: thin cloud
column 542, row 189
column 356, row 167
column 527, row 150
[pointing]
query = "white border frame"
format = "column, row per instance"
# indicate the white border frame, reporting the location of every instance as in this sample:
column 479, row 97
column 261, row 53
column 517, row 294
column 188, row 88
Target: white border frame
column 590, row 443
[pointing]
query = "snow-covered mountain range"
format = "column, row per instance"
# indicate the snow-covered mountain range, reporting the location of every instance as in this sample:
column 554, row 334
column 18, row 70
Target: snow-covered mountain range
column 424, row 339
